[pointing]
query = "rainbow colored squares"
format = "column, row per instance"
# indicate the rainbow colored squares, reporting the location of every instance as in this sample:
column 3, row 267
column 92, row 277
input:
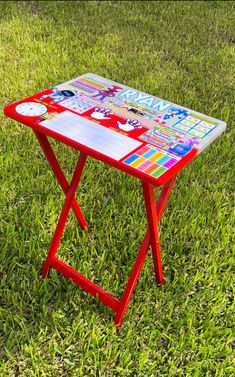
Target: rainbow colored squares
column 151, row 160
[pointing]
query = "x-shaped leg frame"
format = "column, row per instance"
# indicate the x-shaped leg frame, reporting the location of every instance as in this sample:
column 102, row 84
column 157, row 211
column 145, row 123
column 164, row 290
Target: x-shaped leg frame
column 153, row 210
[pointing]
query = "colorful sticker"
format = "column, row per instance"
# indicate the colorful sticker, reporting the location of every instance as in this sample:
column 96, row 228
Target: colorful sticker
column 109, row 119
column 193, row 125
column 151, row 160
column 166, row 126
column 129, row 110
column 110, row 91
column 57, row 96
column 79, row 103
column 144, row 100
column 87, row 85
column 162, row 136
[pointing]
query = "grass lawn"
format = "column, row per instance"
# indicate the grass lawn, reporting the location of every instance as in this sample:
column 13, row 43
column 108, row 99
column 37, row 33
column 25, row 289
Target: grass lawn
column 180, row 51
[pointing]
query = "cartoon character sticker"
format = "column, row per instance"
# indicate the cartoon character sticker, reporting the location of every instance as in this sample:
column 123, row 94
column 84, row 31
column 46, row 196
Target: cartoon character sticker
column 175, row 112
column 171, row 117
column 159, row 120
column 184, row 146
column 110, row 91
column 59, row 95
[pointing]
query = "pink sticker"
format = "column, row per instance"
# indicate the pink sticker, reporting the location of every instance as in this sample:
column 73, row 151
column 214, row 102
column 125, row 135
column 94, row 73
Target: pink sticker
column 144, row 165
column 143, row 150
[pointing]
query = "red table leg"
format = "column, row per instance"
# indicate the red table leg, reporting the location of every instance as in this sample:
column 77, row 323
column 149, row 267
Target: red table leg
column 151, row 211
column 138, row 265
column 64, row 213
column 50, row 156
column 164, row 196
column 154, row 212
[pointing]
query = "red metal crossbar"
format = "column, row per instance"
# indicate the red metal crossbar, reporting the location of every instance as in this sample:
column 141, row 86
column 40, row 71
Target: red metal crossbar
column 50, row 156
column 153, row 210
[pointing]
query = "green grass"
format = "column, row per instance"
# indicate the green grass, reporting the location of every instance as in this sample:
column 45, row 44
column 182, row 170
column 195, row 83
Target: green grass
column 181, row 51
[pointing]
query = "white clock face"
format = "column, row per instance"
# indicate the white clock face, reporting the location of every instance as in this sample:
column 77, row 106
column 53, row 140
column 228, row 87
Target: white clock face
column 31, row 109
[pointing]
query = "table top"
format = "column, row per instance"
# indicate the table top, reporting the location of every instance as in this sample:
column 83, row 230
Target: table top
column 145, row 136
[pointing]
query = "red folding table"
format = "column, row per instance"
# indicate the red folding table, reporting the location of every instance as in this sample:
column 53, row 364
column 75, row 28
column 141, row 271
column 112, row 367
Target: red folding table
column 142, row 135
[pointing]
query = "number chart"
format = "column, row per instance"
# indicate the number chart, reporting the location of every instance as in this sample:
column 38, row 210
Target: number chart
column 194, row 126
column 80, row 103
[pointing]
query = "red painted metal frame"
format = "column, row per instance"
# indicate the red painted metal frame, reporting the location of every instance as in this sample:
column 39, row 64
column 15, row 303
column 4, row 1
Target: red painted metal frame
column 50, row 156
column 153, row 210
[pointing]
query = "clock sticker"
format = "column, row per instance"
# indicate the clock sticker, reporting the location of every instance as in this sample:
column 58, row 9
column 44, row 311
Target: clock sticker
column 31, row 109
